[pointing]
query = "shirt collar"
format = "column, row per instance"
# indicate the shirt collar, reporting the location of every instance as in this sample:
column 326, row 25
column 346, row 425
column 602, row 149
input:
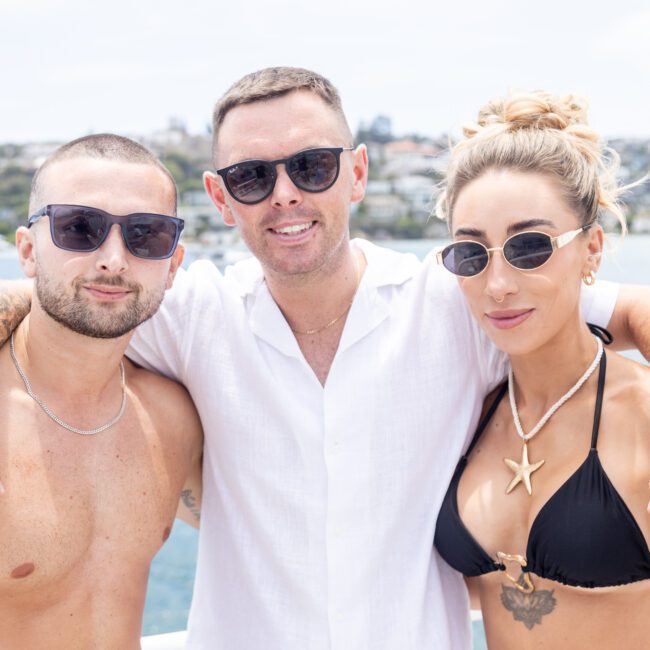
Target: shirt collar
column 385, row 267
column 369, row 309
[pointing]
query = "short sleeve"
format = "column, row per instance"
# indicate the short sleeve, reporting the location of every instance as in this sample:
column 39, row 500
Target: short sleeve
column 597, row 302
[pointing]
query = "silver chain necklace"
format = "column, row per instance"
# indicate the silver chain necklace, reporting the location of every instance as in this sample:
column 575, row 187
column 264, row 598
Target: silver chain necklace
column 56, row 418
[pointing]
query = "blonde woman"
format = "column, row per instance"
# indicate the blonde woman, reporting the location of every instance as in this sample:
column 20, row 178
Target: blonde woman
column 546, row 513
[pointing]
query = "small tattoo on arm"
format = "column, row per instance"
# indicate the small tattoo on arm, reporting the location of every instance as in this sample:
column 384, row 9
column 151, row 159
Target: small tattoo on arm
column 13, row 308
column 528, row 608
column 190, row 503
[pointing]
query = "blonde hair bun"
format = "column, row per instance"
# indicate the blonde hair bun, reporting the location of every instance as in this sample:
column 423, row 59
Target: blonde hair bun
column 538, row 132
column 534, row 110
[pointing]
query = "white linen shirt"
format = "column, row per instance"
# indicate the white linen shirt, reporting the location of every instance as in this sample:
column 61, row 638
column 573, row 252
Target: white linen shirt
column 319, row 503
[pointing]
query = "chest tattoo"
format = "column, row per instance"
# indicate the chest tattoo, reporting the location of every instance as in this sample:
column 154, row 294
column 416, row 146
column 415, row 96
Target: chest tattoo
column 528, row 608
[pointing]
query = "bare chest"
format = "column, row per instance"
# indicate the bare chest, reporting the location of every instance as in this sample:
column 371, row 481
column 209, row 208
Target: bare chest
column 320, row 349
column 70, row 503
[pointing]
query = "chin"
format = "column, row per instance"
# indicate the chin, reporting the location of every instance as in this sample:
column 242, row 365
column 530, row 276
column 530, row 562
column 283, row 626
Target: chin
column 515, row 346
column 515, row 341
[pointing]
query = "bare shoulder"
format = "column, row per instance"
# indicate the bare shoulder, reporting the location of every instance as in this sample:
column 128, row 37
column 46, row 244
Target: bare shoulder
column 628, row 385
column 166, row 402
column 627, row 401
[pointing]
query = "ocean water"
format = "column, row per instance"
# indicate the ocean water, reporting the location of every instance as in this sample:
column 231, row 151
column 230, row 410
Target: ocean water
column 172, row 571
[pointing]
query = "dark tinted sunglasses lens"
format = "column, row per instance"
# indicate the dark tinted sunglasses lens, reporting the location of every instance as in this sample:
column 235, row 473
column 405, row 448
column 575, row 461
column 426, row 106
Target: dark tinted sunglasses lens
column 250, row 182
column 529, row 250
column 465, row 258
column 151, row 236
column 313, row 171
column 77, row 229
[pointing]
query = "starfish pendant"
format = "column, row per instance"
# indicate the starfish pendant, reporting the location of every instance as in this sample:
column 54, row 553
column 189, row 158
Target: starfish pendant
column 522, row 471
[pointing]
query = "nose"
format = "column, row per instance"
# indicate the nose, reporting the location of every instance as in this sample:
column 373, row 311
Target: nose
column 112, row 255
column 285, row 193
column 501, row 278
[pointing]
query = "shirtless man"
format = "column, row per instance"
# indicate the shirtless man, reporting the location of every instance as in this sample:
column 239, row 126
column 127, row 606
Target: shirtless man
column 94, row 451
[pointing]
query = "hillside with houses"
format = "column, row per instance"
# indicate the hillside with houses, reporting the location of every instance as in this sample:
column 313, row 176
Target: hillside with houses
column 404, row 174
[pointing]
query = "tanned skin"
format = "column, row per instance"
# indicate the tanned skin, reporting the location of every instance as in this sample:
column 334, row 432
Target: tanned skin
column 82, row 516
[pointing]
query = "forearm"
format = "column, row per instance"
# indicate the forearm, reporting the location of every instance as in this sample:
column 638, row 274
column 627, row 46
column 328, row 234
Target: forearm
column 189, row 506
column 630, row 324
column 15, row 303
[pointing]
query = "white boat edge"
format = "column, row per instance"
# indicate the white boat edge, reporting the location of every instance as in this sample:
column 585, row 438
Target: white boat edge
column 169, row 641
column 176, row 640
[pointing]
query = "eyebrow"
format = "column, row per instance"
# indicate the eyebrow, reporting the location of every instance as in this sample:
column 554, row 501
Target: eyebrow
column 519, row 226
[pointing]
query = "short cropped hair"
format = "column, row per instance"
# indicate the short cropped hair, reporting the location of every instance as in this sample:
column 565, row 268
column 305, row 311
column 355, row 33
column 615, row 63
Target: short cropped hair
column 270, row 83
column 106, row 146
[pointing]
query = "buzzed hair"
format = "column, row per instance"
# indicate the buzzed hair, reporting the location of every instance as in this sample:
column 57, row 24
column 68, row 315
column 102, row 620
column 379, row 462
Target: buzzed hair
column 270, row 83
column 106, row 146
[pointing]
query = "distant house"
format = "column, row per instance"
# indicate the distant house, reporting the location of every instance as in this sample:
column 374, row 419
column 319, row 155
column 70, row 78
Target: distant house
column 378, row 187
column 417, row 191
column 408, row 157
column 385, row 208
column 33, row 155
column 196, row 197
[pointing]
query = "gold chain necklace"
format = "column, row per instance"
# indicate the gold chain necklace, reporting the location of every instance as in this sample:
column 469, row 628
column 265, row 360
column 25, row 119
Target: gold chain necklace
column 318, row 330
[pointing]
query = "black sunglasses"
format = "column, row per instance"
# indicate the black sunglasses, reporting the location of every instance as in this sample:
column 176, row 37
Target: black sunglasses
column 79, row 228
column 312, row 170
column 524, row 251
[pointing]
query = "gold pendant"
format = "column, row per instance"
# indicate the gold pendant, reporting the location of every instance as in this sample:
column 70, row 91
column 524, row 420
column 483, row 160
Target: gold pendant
column 522, row 471
column 524, row 582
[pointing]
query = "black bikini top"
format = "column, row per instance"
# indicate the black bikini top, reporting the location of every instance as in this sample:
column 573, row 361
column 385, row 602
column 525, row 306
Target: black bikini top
column 584, row 536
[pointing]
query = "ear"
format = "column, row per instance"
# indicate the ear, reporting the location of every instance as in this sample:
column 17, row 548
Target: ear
column 214, row 187
column 26, row 250
column 360, row 171
column 176, row 260
column 595, row 243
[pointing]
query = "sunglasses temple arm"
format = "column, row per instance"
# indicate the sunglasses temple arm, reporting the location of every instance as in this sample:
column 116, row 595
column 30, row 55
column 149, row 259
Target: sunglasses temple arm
column 37, row 215
column 566, row 238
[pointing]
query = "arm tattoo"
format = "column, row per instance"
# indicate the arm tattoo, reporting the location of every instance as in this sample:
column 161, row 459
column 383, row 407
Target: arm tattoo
column 14, row 306
column 528, row 608
column 189, row 500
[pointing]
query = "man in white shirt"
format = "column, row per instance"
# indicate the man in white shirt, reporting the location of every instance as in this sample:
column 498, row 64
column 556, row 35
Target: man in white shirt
column 337, row 382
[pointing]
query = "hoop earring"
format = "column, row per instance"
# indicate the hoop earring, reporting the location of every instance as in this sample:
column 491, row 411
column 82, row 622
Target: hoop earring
column 589, row 279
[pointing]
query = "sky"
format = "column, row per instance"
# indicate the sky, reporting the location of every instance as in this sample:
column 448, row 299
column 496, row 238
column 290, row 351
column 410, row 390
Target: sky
column 72, row 67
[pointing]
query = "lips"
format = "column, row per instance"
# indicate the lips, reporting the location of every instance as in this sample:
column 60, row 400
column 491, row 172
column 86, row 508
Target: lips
column 293, row 229
column 293, row 233
column 508, row 318
column 104, row 292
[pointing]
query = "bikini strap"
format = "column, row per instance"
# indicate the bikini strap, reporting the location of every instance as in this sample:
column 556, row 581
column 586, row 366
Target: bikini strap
column 599, row 399
column 486, row 418
column 604, row 335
